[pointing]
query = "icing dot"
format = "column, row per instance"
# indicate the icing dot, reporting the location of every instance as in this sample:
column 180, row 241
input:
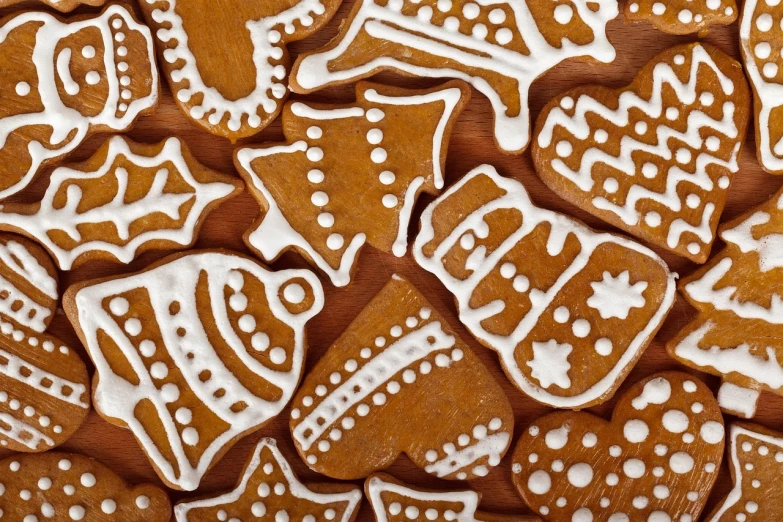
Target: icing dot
column 76, row 512
column 672, row 113
column 314, row 132
column 92, row 78
column 386, row 177
column 611, row 185
column 278, row 355
column 612, row 479
column 389, row 201
column 711, row 432
column 564, row 149
column 649, row 170
column 580, row 475
column 471, row 11
column 88, row 51
column 692, row 200
column 190, row 436
column 681, row 462
column 259, row 341
column 133, row 326
column 581, row 328
column 325, row 219
column 679, row 59
column 762, row 50
column 315, row 176
column 247, row 323
column 294, row 293
column 44, row 483
column 119, row 306
column 64, row 465
column 497, row 16
column 633, row 468
column 641, row 128
column 22, row 88
column 603, row 346
column 503, row 35
column 88, row 480
column 378, row 155
column 159, row 370
column 376, row 115
column 108, row 506
column 636, row 431
column 563, row 15
column 561, row 314
column 675, row 421
column 258, row 509
column 589, row 440
column 183, row 415
column 315, row 154
column 335, row 241
column 764, row 22
column 601, row 136
column 142, row 502
column 683, row 156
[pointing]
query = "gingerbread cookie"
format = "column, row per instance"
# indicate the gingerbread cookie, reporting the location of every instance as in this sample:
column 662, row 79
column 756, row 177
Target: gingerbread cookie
column 737, row 334
column 127, row 198
column 756, row 455
column 655, row 158
column 682, row 16
column 500, row 48
column 61, row 5
column 544, row 291
column 656, row 460
column 44, row 395
column 65, row 80
column 226, row 61
column 309, row 186
column 66, row 486
column 761, row 40
column 391, row 499
column 269, row 488
column 399, row 380
column 194, row 352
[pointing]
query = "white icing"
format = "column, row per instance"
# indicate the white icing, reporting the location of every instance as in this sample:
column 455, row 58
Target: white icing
column 738, row 400
column 615, row 296
column 550, row 363
column 16, row 257
column 656, row 391
column 492, row 447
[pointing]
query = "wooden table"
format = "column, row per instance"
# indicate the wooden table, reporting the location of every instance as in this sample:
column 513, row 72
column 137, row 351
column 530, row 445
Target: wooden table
column 471, row 145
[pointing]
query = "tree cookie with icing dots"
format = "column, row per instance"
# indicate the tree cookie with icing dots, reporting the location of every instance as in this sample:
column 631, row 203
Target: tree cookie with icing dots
column 66, row 486
column 226, row 61
column 44, row 385
column 65, row 79
column 127, row 198
column 737, row 334
column 682, row 16
column 400, row 380
column 761, row 41
column 756, row 461
column 327, row 203
column 499, row 47
column 391, row 499
column 656, row 460
column 269, row 489
column 655, row 158
column 568, row 310
column 194, row 352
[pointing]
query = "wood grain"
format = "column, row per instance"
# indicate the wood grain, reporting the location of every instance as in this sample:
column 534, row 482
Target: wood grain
column 471, row 145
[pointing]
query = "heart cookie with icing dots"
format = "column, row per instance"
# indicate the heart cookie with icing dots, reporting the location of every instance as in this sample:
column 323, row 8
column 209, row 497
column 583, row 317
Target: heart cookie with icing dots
column 655, row 158
column 226, row 61
column 682, row 16
column 399, row 380
column 656, row 460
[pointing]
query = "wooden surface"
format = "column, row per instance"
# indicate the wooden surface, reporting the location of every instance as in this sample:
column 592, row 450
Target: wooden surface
column 471, row 145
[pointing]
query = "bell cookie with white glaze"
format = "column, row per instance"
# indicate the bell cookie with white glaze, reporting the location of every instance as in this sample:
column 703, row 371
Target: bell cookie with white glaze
column 569, row 310
column 65, row 79
column 44, row 385
column 499, row 47
column 682, row 16
column 656, row 460
column 756, row 462
column 127, row 198
column 655, row 158
column 194, row 352
column 737, row 333
column 65, row 486
column 761, row 41
column 393, row 500
column 350, row 174
column 268, row 489
column 226, row 61
column 400, row 380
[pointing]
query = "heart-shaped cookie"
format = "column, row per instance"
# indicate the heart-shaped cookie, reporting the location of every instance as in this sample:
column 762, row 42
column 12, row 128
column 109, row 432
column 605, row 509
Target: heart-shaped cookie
column 655, row 158
column 399, row 380
column 656, row 460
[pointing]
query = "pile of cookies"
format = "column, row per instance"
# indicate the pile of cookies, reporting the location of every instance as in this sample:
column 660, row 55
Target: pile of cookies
column 204, row 347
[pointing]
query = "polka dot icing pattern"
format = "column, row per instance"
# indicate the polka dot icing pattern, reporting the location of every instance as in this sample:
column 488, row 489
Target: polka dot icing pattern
column 756, row 455
column 60, row 5
column 195, row 44
column 78, row 219
column 392, row 500
column 736, row 292
column 682, row 16
column 656, row 460
column 64, row 92
column 672, row 139
column 44, row 394
column 544, row 291
column 761, row 40
column 315, row 185
column 65, row 487
column 377, row 390
column 199, row 349
column 499, row 47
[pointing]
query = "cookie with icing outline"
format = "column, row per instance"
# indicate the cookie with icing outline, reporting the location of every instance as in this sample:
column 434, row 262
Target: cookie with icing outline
column 126, row 199
column 268, row 487
column 308, row 187
column 67, row 486
column 682, row 16
column 44, row 385
column 391, row 498
column 737, row 333
column 69, row 78
column 199, row 42
column 400, row 380
column 548, row 294
column 656, row 460
column 499, row 48
column 656, row 158
column 194, row 352
column 761, row 41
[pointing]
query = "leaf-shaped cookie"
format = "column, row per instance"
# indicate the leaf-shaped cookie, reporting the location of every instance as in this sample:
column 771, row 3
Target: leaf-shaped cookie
column 127, row 198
